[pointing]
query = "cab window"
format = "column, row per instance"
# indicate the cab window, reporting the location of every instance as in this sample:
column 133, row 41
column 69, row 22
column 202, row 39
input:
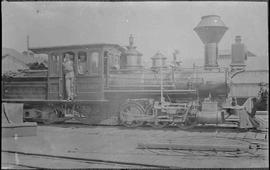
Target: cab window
column 54, row 67
column 114, row 58
column 94, row 62
column 82, row 63
column 106, row 58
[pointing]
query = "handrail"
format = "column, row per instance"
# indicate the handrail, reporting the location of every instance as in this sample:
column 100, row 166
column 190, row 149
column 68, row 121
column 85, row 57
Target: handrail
column 139, row 85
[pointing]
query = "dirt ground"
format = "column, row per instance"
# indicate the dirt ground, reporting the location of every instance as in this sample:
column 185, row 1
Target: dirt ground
column 120, row 144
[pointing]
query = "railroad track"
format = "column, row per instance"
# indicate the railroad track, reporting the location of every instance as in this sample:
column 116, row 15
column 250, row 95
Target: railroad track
column 255, row 139
column 248, row 135
column 255, row 147
column 85, row 162
column 205, row 128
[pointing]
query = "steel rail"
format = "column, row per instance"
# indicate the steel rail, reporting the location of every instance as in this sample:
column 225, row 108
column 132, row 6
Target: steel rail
column 92, row 160
column 24, row 166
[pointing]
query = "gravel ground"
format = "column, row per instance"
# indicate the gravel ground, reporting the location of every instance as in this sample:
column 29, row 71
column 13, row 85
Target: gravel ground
column 119, row 144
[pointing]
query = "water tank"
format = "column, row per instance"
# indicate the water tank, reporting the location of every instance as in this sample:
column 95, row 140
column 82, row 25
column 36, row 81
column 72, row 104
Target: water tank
column 210, row 30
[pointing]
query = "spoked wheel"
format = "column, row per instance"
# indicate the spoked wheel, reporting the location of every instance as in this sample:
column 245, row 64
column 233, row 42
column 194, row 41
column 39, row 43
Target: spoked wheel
column 188, row 124
column 52, row 116
column 56, row 115
column 159, row 124
column 130, row 115
column 190, row 120
column 85, row 114
column 82, row 117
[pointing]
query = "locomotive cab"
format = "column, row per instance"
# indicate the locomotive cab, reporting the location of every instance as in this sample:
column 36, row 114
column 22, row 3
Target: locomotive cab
column 90, row 65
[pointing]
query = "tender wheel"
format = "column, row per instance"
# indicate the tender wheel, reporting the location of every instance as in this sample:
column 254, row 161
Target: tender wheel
column 130, row 115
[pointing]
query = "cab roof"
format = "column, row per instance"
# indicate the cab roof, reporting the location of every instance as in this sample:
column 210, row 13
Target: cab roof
column 47, row 50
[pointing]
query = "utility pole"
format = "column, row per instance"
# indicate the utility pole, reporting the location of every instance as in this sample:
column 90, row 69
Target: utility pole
column 27, row 45
column 161, row 81
column 27, row 42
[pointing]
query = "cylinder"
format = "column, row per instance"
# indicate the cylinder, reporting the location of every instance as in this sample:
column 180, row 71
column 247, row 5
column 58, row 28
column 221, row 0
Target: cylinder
column 210, row 117
column 211, row 52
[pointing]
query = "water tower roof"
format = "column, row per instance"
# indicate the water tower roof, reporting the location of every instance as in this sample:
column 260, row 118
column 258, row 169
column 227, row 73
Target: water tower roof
column 210, row 29
column 211, row 21
column 159, row 55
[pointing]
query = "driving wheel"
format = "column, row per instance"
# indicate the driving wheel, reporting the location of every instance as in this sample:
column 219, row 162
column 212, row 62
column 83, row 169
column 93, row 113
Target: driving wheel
column 188, row 124
column 130, row 114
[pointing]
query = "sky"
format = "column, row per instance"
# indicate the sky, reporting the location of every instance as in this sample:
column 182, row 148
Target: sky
column 156, row 26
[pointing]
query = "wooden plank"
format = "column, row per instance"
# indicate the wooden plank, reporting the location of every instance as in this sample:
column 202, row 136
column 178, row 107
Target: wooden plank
column 27, row 85
column 261, row 136
column 21, row 96
column 221, row 134
column 250, row 135
column 22, row 82
column 56, row 101
column 227, row 148
column 231, row 135
column 20, row 129
column 261, row 113
column 240, row 135
column 253, row 135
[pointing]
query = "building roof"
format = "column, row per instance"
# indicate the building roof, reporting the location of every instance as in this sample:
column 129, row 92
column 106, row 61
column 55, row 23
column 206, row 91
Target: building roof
column 222, row 53
column 251, row 76
column 12, row 52
column 24, row 58
column 250, row 54
column 12, row 64
column 158, row 55
column 258, row 62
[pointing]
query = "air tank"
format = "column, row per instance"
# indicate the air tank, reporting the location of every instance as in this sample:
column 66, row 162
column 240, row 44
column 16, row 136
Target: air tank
column 210, row 30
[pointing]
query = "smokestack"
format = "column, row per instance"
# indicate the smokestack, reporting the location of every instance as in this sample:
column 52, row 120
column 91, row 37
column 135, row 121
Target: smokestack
column 238, row 54
column 210, row 30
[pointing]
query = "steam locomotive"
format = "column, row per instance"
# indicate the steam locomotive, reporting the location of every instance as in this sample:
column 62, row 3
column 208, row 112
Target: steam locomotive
column 106, row 92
